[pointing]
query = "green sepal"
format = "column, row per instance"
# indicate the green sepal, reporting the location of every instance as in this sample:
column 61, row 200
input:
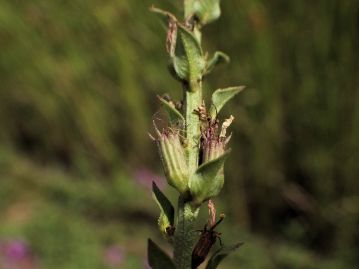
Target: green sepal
column 173, row 114
column 188, row 64
column 206, row 11
column 208, row 179
column 221, row 96
column 220, row 254
column 166, row 219
column 218, row 58
column 157, row 258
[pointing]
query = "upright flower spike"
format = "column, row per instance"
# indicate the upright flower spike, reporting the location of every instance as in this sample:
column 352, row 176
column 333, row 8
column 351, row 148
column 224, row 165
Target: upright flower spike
column 192, row 155
column 173, row 158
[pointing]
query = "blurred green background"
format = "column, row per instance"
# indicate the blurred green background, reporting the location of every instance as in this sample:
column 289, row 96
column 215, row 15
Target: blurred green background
column 78, row 81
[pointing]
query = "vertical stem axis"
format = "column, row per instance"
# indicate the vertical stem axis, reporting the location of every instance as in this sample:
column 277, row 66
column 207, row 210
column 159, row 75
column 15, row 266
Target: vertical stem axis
column 192, row 101
column 184, row 236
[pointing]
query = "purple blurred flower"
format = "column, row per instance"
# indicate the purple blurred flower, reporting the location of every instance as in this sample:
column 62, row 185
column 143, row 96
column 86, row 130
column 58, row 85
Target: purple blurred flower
column 144, row 177
column 15, row 254
column 114, row 256
column 16, row 250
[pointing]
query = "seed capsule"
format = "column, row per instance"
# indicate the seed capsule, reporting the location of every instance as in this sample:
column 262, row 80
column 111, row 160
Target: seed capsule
column 173, row 158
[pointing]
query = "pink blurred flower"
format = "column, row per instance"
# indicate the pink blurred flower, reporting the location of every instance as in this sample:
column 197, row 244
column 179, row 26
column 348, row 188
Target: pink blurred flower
column 15, row 254
column 114, row 255
column 16, row 250
column 144, row 177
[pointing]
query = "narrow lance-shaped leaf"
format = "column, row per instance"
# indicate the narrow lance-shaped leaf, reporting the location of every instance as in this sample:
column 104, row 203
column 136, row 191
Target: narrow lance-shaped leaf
column 221, row 96
column 220, row 254
column 208, row 179
column 157, row 258
column 218, row 58
column 166, row 219
column 173, row 114
column 193, row 55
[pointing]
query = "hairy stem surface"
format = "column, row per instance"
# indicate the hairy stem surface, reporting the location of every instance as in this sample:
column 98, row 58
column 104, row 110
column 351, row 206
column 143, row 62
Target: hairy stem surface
column 187, row 216
column 184, row 236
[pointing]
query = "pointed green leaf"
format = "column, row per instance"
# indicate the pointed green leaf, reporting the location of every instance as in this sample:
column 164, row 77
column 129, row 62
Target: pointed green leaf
column 220, row 254
column 221, row 96
column 166, row 219
column 207, row 11
column 193, row 55
column 208, row 179
column 157, row 258
column 173, row 114
column 218, row 58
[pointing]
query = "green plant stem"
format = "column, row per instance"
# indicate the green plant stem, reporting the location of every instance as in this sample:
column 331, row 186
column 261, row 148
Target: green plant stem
column 192, row 100
column 187, row 215
column 184, row 236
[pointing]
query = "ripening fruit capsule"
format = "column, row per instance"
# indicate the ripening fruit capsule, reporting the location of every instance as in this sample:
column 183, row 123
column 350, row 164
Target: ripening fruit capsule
column 173, row 159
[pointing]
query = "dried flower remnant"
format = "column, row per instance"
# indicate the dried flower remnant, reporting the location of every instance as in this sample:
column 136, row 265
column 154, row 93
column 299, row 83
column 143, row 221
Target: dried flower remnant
column 171, row 37
column 211, row 212
column 213, row 140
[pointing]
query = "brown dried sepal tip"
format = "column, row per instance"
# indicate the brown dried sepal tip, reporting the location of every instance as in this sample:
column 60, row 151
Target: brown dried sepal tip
column 171, row 38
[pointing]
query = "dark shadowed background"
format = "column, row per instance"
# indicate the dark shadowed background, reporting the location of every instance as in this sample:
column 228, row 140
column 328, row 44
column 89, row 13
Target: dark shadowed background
column 78, row 85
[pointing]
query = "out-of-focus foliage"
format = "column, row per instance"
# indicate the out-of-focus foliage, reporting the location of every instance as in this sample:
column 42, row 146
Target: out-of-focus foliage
column 78, row 81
